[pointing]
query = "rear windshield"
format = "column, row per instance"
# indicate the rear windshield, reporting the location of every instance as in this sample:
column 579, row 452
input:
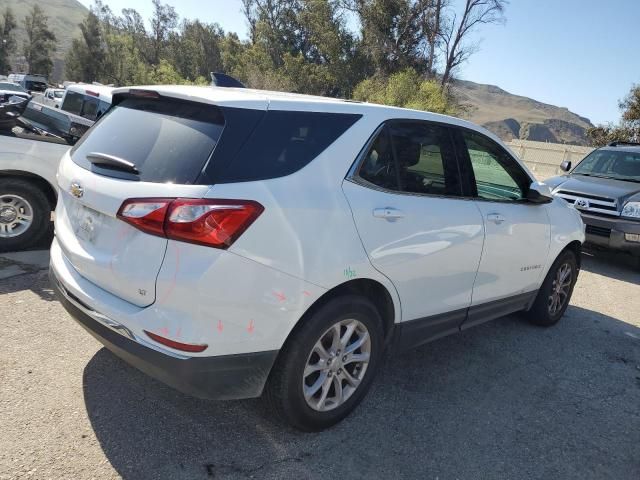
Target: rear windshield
column 168, row 141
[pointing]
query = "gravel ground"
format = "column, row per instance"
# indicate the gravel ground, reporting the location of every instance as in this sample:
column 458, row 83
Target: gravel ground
column 504, row 400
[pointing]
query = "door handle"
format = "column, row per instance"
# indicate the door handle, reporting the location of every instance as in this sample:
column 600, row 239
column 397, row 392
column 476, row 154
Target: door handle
column 388, row 213
column 495, row 218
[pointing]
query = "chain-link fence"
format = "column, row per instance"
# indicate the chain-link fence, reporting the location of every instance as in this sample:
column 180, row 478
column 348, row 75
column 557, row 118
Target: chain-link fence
column 544, row 159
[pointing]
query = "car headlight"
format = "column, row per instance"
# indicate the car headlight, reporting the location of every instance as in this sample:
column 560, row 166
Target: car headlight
column 631, row 210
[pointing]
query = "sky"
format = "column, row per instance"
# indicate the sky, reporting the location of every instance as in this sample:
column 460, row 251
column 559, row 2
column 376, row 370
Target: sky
column 579, row 54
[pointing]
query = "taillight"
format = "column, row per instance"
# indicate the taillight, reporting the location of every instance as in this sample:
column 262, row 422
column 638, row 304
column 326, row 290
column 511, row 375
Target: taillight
column 146, row 214
column 213, row 223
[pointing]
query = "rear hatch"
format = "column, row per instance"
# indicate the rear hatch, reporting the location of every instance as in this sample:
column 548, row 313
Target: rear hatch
column 146, row 146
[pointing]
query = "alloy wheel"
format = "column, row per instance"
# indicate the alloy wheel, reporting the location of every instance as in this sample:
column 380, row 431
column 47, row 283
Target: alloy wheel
column 560, row 288
column 336, row 365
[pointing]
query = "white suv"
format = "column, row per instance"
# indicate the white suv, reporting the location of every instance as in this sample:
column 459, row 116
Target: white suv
column 228, row 241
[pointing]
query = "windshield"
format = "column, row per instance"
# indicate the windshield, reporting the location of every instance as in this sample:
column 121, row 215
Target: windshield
column 618, row 164
column 37, row 86
column 58, row 93
column 12, row 87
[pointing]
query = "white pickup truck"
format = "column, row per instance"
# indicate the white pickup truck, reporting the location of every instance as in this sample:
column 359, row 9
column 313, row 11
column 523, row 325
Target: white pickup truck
column 31, row 147
column 28, row 165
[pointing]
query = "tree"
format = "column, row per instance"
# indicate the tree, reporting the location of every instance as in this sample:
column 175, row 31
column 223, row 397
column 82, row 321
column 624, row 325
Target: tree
column 454, row 32
column 406, row 89
column 395, row 33
column 40, row 42
column 7, row 39
column 630, row 107
column 85, row 60
column 628, row 130
column 195, row 49
column 163, row 21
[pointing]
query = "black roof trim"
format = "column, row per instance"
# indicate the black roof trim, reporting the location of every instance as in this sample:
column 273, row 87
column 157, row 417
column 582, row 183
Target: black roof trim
column 630, row 144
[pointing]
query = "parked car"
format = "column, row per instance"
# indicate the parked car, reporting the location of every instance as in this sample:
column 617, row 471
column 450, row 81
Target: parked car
column 53, row 97
column 88, row 101
column 28, row 165
column 228, row 241
column 11, row 89
column 30, row 82
column 605, row 188
column 33, row 138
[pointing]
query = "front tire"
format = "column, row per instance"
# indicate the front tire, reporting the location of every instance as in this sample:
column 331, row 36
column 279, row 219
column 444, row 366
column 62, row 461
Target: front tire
column 25, row 214
column 327, row 365
column 556, row 290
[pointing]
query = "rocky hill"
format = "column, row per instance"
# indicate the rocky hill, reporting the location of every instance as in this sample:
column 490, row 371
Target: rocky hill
column 512, row 116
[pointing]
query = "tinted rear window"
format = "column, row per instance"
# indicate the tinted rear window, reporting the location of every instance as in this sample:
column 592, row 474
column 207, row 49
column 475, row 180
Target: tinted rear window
column 284, row 142
column 167, row 140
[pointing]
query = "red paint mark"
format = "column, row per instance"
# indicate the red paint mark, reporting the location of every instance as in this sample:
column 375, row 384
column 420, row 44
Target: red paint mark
column 164, row 331
column 250, row 328
column 308, row 294
column 280, row 296
column 178, row 333
column 220, row 326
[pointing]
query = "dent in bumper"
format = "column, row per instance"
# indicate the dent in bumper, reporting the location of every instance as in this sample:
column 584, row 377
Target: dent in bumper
column 222, row 377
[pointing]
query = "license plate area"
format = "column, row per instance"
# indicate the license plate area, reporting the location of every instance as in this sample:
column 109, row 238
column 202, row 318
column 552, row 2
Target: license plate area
column 87, row 223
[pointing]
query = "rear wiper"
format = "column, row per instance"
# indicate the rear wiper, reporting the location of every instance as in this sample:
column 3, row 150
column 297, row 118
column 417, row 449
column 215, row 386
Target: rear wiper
column 112, row 162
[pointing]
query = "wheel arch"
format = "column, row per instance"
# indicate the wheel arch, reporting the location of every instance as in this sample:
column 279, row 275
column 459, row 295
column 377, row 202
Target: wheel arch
column 576, row 247
column 36, row 180
column 370, row 289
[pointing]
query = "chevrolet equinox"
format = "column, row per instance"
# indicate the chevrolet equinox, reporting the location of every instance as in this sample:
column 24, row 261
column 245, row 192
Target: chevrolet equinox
column 232, row 242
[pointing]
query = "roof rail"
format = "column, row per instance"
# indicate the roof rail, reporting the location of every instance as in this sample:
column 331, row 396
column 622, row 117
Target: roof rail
column 617, row 142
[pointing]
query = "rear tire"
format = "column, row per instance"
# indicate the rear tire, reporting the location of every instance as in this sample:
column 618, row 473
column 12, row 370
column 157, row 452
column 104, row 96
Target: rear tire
column 25, row 214
column 311, row 366
column 556, row 290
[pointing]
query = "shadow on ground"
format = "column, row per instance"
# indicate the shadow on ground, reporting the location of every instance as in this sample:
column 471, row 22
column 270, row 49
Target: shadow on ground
column 504, row 400
column 35, row 281
column 620, row 266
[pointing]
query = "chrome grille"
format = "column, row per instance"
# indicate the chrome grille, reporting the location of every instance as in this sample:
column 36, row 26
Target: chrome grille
column 590, row 203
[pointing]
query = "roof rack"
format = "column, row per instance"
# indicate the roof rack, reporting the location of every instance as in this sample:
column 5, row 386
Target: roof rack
column 616, row 143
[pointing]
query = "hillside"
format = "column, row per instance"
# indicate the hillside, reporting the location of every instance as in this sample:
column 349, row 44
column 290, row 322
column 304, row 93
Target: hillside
column 512, row 116
column 507, row 115
column 64, row 17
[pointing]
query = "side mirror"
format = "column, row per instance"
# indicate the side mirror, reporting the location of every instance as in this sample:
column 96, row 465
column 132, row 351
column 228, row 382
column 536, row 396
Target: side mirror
column 565, row 166
column 539, row 193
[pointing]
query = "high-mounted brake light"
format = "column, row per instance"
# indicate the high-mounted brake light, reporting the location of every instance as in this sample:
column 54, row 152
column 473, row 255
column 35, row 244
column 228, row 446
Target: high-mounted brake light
column 185, row 347
column 92, row 93
column 213, row 223
column 136, row 92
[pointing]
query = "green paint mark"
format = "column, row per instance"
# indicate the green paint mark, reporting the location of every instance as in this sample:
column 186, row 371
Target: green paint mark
column 349, row 273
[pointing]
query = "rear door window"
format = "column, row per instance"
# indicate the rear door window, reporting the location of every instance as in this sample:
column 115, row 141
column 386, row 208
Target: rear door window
column 284, row 142
column 413, row 157
column 168, row 141
column 426, row 159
